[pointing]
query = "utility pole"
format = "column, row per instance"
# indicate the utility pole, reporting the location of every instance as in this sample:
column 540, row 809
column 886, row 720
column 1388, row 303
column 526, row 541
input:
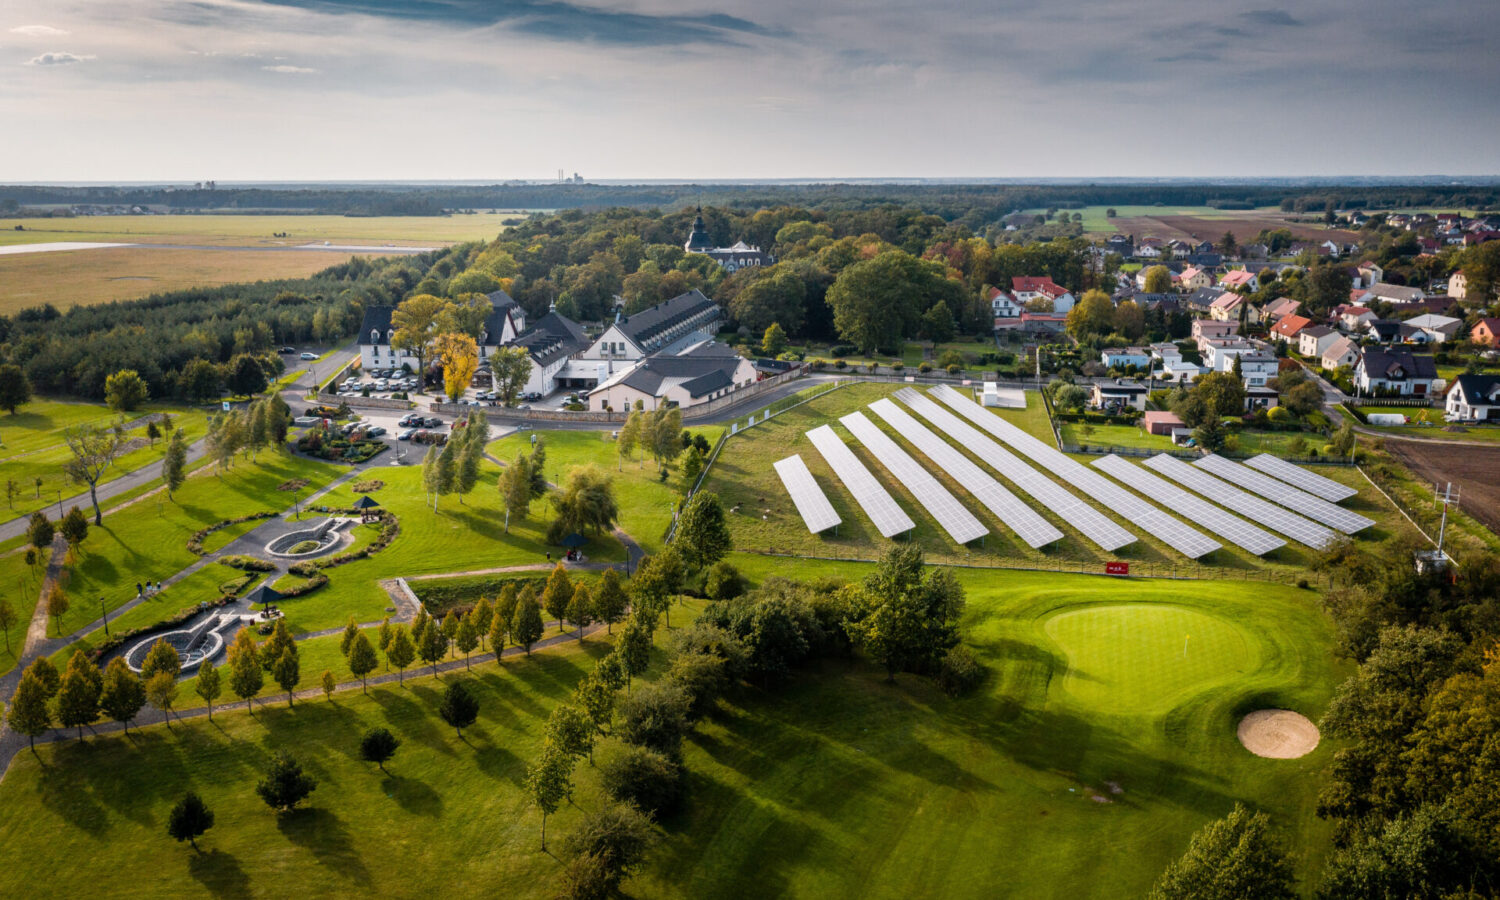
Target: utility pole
column 1449, row 495
column 104, row 614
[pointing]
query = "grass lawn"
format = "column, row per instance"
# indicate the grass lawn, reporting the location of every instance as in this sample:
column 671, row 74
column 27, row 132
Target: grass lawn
column 1132, row 436
column 1079, row 769
column 1426, row 422
column 32, row 444
column 20, row 586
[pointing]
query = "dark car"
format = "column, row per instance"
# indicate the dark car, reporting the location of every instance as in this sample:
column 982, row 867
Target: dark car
column 432, row 422
column 288, row 350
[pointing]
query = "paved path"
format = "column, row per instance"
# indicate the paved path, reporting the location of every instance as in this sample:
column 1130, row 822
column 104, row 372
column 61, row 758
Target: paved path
column 36, row 632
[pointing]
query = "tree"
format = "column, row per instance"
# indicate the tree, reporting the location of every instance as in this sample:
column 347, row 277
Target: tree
column 78, row 697
column 459, row 355
column 511, row 369
column 690, row 466
column 1342, row 443
column 189, row 819
column 1303, row 398
column 515, row 489
column 94, row 451
column 480, row 617
column 634, row 649
column 378, row 746
column 459, row 707
column 937, row 323
column 1211, row 435
column 775, row 296
column 1222, row 392
column 246, row 677
column 444, row 471
column 537, row 463
column 773, row 342
column 161, row 690
column 1130, row 320
column 39, row 531
column 661, row 434
column 548, row 781
column 632, row 435
column 123, row 694
column 351, row 631
column 401, row 653
column 74, row 527
column 47, row 673
column 467, row 638
column 199, row 380
column 174, row 462
column 877, row 303
column 361, row 657
column 585, row 505
column 208, row 685
column 1229, row 859
column 1228, row 245
column 28, row 713
column 1094, row 314
column 1158, row 280
column 702, row 533
column 610, row 600
column 909, row 621
column 656, row 716
column 285, row 784
column 526, row 627
column 8, row 620
column 414, row 323
column 57, row 605
column 643, row 777
column 580, row 611
column 433, row 645
column 162, row 657
column 657, row 580
column 15, row 388
column 153, row 432
column 329, row 683
column 125, row 390
column 277, row 645
column 470, row 455
column 557, row 593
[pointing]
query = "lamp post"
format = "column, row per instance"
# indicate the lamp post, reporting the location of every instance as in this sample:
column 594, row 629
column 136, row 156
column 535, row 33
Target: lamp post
column 104, row 614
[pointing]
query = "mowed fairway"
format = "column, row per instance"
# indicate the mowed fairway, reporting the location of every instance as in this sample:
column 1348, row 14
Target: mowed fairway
column 837, row 784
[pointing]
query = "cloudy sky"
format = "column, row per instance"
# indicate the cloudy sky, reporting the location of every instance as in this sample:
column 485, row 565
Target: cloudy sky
column 495, row 89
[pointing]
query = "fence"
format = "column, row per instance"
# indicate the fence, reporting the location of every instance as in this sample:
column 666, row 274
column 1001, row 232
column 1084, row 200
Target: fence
column 1392, row 401
column 364, row 402
column 1182, row 453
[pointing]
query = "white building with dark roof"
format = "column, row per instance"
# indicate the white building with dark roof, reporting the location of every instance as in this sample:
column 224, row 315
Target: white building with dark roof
column 698, row 374
column 506, row 321
column 732, row 258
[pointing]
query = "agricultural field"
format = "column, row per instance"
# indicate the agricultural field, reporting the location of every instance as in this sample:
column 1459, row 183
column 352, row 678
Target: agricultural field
column 1103, row 738
column 1201, row 222
column 763, row 519
column 201, row 251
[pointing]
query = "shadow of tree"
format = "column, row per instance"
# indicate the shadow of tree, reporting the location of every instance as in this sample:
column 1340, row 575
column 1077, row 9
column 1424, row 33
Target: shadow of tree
column 219, row 873
column 325, row 836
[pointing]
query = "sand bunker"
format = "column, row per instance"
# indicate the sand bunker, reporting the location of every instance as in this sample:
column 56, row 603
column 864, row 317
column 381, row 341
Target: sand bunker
column 1278, row 734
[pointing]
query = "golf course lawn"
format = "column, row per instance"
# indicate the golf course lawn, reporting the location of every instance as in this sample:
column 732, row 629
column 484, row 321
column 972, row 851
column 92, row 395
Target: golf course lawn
column 1079, row 769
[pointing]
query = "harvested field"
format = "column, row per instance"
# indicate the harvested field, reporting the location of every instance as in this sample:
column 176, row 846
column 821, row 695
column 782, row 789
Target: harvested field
column 1245, row 227
column 1473, row 468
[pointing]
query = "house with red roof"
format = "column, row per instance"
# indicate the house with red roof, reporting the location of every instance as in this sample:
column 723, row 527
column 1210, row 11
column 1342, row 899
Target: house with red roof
column 1226, row 308
column 1028, row 288
column 1004, row 305
column 1240, row 279
column 1486, row 332
column 1355, row 318
column 1288, row 328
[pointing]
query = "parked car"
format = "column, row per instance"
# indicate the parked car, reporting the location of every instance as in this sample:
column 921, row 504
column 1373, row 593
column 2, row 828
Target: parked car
column 288, row 350
column 409, row 419
column 406, row 435
column 432, row 422
column 306, row 355
column 374, row 431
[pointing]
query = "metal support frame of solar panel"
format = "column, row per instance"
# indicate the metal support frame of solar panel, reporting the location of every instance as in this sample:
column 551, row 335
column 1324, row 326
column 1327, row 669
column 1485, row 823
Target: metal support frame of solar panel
column 872, row 497
column 817, row 513
column 1261, row 512
column 955, row 518
column 1316, row 508
column 1298, row 477
column 1091, row 523
column 1010, row 509
column 1171, row 530
column 1232, row 528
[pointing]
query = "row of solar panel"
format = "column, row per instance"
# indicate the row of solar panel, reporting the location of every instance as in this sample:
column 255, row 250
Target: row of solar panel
column 1036, row 531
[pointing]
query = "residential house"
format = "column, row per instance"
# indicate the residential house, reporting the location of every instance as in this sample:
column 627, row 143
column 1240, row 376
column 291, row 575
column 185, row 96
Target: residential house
column 1472, row 398
column 1369, row 274
column 1256, row 364
column 1458, row 285
column 1342, row 352
column 1121, row 244
column 1314, row 339
column 1437, row 328
column 1043, row 323
column 1226, row 308
column 1278, row 309
column 1329, row 248
column 505, row 321
column 1395, row 372
column 1388, row 331
column 1193, row 278
column 1354, row 318
column 1139, row 357
column 1204, row 329
column 1257, row 398
column 1166, row 352
column 1200, row 300
column 1288, row 328
column 1240, row 279
column 1003, row 305
column 1398, row 294
column 1148, row 250
column 699, row 374
column 1027, row 289
column 1486, row 332
column 1119, row 394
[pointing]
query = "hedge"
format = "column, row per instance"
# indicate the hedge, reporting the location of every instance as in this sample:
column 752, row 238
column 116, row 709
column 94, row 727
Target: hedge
column 442, row 596
column 195, row 543
column 248, row 563
column 310, row 583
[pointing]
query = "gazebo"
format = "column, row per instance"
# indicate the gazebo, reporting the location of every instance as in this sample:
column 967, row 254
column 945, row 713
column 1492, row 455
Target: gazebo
column 364, row 504
column 264, row 595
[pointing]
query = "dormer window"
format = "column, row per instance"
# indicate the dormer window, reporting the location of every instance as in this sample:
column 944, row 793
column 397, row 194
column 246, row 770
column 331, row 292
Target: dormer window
column 374, row 335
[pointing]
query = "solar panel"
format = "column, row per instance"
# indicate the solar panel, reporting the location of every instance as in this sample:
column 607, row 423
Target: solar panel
column 1250, row 506
column 1195, row 508
column 1317, row 485
column 1316, row 508
column 1172, row 531
column 890, row 520
column 1020, row 518
column 1093, row 524
column 944, row 507
column 814, row 507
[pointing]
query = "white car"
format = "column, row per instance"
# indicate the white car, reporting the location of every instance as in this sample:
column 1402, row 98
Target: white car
column 309, row 355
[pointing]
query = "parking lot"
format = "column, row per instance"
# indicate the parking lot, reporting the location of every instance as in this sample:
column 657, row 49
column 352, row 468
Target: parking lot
column 396, row 383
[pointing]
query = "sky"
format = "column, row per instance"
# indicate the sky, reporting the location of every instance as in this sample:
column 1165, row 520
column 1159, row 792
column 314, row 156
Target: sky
column 308, row 90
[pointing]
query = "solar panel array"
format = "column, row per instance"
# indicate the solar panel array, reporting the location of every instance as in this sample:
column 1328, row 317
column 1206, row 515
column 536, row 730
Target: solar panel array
column 1093, row 524
column 1169, row 529
column 944, row 507
column 1231, row 528
column 890, row 520
column 1297, row 476
column 813, row 506
column 1020, row 518
column 1280, row 492
column 1250, row 506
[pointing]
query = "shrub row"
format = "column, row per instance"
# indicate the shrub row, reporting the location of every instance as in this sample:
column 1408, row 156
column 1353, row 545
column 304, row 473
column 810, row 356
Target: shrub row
column 248, row 563
column 442, row 596
column 310, row 583
column 195, row 543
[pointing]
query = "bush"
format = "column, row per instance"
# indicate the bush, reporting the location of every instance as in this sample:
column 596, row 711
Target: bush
column 617, row 836
column 898, row 366
column 588, row 877
column 247, row 563
column 959, row 672
column 925, row 367
column 655, row 716
column 701, row 678
column 723, row 582
column 840, row 364
column 954, row 369
column 842, row 350
column 645, row 778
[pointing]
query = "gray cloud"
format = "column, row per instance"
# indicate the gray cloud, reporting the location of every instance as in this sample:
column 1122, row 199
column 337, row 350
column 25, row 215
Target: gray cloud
column 291, row 70
column 57, row 59
column 1269, row 17
column 38, row 31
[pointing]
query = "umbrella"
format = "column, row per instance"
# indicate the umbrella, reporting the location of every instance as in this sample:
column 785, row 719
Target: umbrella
column 573, row 541
column 365, row 501
column 264, row 594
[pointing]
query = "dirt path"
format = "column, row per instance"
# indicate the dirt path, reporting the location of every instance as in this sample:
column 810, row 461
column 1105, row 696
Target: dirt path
column 36, row 633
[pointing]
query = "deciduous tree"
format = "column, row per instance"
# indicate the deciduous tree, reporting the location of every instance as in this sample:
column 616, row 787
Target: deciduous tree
column 285, row 784
column 28, row 713
column 361, row 657
column 1229, row 859
column 401, row 653
column 460, row 708
column 125, row 390
column 526, row 627
column 459, row 355
column 123, row 694
column 174, row 462
column 189, row 819
column 378, row 746
column 15, row 388
column 548, row 781
column 702, row 533
column 94, row 451
column 208, row 685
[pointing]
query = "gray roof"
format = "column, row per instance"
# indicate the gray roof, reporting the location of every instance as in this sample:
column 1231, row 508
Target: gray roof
column 553, row 337
column 378, row 318
column 1386, row 364
column 648, row 323
column 704, row 370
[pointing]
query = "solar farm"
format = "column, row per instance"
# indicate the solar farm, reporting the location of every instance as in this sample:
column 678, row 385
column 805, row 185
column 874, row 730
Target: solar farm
column 983, row 486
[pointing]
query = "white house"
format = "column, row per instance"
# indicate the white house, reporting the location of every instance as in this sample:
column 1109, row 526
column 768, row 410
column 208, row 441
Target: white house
column 1436, row 328
column 1314, row 339
column 1342, row 352
column 1370, row 274
column 550, row 344
column 1027, row 289
column 1474, row 398
column 1399, row 294
column 1257, row 365
column 699, row 374
column 1003, row 305
column 1139, row 357
column 504, row 324
column 1400, row 373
